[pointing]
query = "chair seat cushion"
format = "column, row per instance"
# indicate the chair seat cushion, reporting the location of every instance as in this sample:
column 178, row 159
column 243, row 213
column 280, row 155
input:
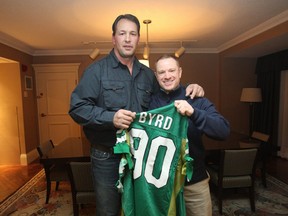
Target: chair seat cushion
column 229, row 182
column 239, row 181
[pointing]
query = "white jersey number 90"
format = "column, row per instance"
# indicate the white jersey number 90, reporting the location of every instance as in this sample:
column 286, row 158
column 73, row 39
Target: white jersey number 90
column 155, row 144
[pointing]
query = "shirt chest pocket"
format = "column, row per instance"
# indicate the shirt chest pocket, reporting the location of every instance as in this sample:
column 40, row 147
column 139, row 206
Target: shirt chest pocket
column 114, row 95
column 144, row 92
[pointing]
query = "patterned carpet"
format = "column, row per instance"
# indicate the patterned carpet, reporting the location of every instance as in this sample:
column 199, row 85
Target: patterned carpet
column 30, row 200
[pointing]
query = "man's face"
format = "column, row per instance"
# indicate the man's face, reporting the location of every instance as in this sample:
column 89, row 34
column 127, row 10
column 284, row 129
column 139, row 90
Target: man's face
column 168, row 74
column 126, row 38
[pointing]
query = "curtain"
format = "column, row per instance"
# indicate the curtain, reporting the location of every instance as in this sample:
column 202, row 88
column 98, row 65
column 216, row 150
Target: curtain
column 268, row 70
column 283, row 115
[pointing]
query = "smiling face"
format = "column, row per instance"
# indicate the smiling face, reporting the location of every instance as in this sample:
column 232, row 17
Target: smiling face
column 168, row 73
column 126, row 39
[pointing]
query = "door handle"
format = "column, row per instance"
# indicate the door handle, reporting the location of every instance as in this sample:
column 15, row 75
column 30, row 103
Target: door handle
column 40, row 95
column 43, row 115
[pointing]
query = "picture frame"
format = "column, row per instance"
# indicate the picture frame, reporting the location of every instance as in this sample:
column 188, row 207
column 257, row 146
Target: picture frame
column 28, row 83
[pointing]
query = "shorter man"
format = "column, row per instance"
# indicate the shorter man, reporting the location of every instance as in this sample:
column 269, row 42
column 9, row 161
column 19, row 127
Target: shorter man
column 203, row 119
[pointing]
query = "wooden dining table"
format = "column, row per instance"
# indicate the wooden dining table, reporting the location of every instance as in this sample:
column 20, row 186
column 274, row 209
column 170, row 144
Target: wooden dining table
column 56, row 160
column 234, row 141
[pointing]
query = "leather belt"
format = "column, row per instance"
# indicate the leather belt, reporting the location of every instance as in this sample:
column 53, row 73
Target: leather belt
column 104, row 148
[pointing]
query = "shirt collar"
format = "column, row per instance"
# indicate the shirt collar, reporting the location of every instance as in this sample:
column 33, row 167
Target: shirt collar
column 114, row 59
column 173, row 92
column 177, row 94
column 116, row 63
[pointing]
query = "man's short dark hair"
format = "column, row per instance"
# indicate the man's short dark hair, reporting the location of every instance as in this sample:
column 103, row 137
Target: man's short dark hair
column 167, row 56
column 129, row 17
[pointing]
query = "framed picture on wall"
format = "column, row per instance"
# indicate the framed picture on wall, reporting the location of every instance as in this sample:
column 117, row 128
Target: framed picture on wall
column 28, row 83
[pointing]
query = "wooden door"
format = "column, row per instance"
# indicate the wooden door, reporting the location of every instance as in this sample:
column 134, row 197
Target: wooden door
column 54, row 85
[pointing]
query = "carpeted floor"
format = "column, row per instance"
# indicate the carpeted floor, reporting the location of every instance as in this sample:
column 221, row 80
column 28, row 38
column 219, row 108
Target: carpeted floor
column 30, row 200
column 269, row 201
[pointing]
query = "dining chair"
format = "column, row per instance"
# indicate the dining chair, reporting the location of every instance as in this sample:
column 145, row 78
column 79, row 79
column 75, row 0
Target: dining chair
column 263, row 153
column 45, row 147
column 235, row 170
column 53, row 172
column 81, row 184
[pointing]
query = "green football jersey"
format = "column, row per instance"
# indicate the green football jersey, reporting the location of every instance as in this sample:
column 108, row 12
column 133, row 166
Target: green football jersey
column 155, row 163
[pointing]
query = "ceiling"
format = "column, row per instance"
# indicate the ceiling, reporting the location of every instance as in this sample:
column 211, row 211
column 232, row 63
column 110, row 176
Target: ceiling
column 58, row 27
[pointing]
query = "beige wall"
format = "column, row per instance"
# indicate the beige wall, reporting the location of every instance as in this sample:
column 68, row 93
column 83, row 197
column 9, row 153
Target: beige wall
column 29, row 103
column 11, row 114
column 236, row 73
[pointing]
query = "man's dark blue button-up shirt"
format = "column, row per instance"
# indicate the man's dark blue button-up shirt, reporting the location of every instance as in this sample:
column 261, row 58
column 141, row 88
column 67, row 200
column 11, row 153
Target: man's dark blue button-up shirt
column 105, row 87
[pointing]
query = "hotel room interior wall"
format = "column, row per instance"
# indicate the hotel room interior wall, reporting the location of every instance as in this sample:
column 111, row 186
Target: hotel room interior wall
column 237, row 73
column 30, row 102
column 84, row 60
column 202, row 69
column 11, row 115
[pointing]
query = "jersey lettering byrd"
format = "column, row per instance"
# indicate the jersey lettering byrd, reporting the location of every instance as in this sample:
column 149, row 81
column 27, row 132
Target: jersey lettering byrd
column 154, row 164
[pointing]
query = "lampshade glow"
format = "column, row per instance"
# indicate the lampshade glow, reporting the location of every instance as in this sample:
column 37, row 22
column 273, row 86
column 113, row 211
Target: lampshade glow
column 251, row 95
column 146, row 52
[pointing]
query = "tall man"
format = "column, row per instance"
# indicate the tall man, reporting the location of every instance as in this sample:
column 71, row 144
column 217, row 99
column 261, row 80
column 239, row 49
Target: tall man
column 107, row 97
column 203, row 119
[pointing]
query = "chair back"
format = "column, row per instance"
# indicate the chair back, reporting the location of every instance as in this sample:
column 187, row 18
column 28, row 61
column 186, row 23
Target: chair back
column 81, row 184
column 236, row 170
column 238, row 162
column 45, row 147
column 80, row 176
column 53, row 172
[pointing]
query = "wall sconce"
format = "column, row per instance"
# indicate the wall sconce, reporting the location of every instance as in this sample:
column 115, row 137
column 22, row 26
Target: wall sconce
column 180, row 51
column 94, row 53
column 251, row 96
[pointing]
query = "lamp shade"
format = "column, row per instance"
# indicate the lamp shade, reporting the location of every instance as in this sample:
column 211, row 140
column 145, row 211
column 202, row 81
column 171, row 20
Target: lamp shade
column 146, row 52
column 179, row 52
column 251, row 95
column 94, row 53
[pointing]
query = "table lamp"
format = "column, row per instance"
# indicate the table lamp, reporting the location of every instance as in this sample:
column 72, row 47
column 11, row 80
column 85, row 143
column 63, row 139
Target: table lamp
column 251, row 96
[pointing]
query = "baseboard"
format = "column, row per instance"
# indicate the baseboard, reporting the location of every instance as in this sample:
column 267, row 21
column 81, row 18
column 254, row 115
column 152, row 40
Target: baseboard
column 26, row 159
